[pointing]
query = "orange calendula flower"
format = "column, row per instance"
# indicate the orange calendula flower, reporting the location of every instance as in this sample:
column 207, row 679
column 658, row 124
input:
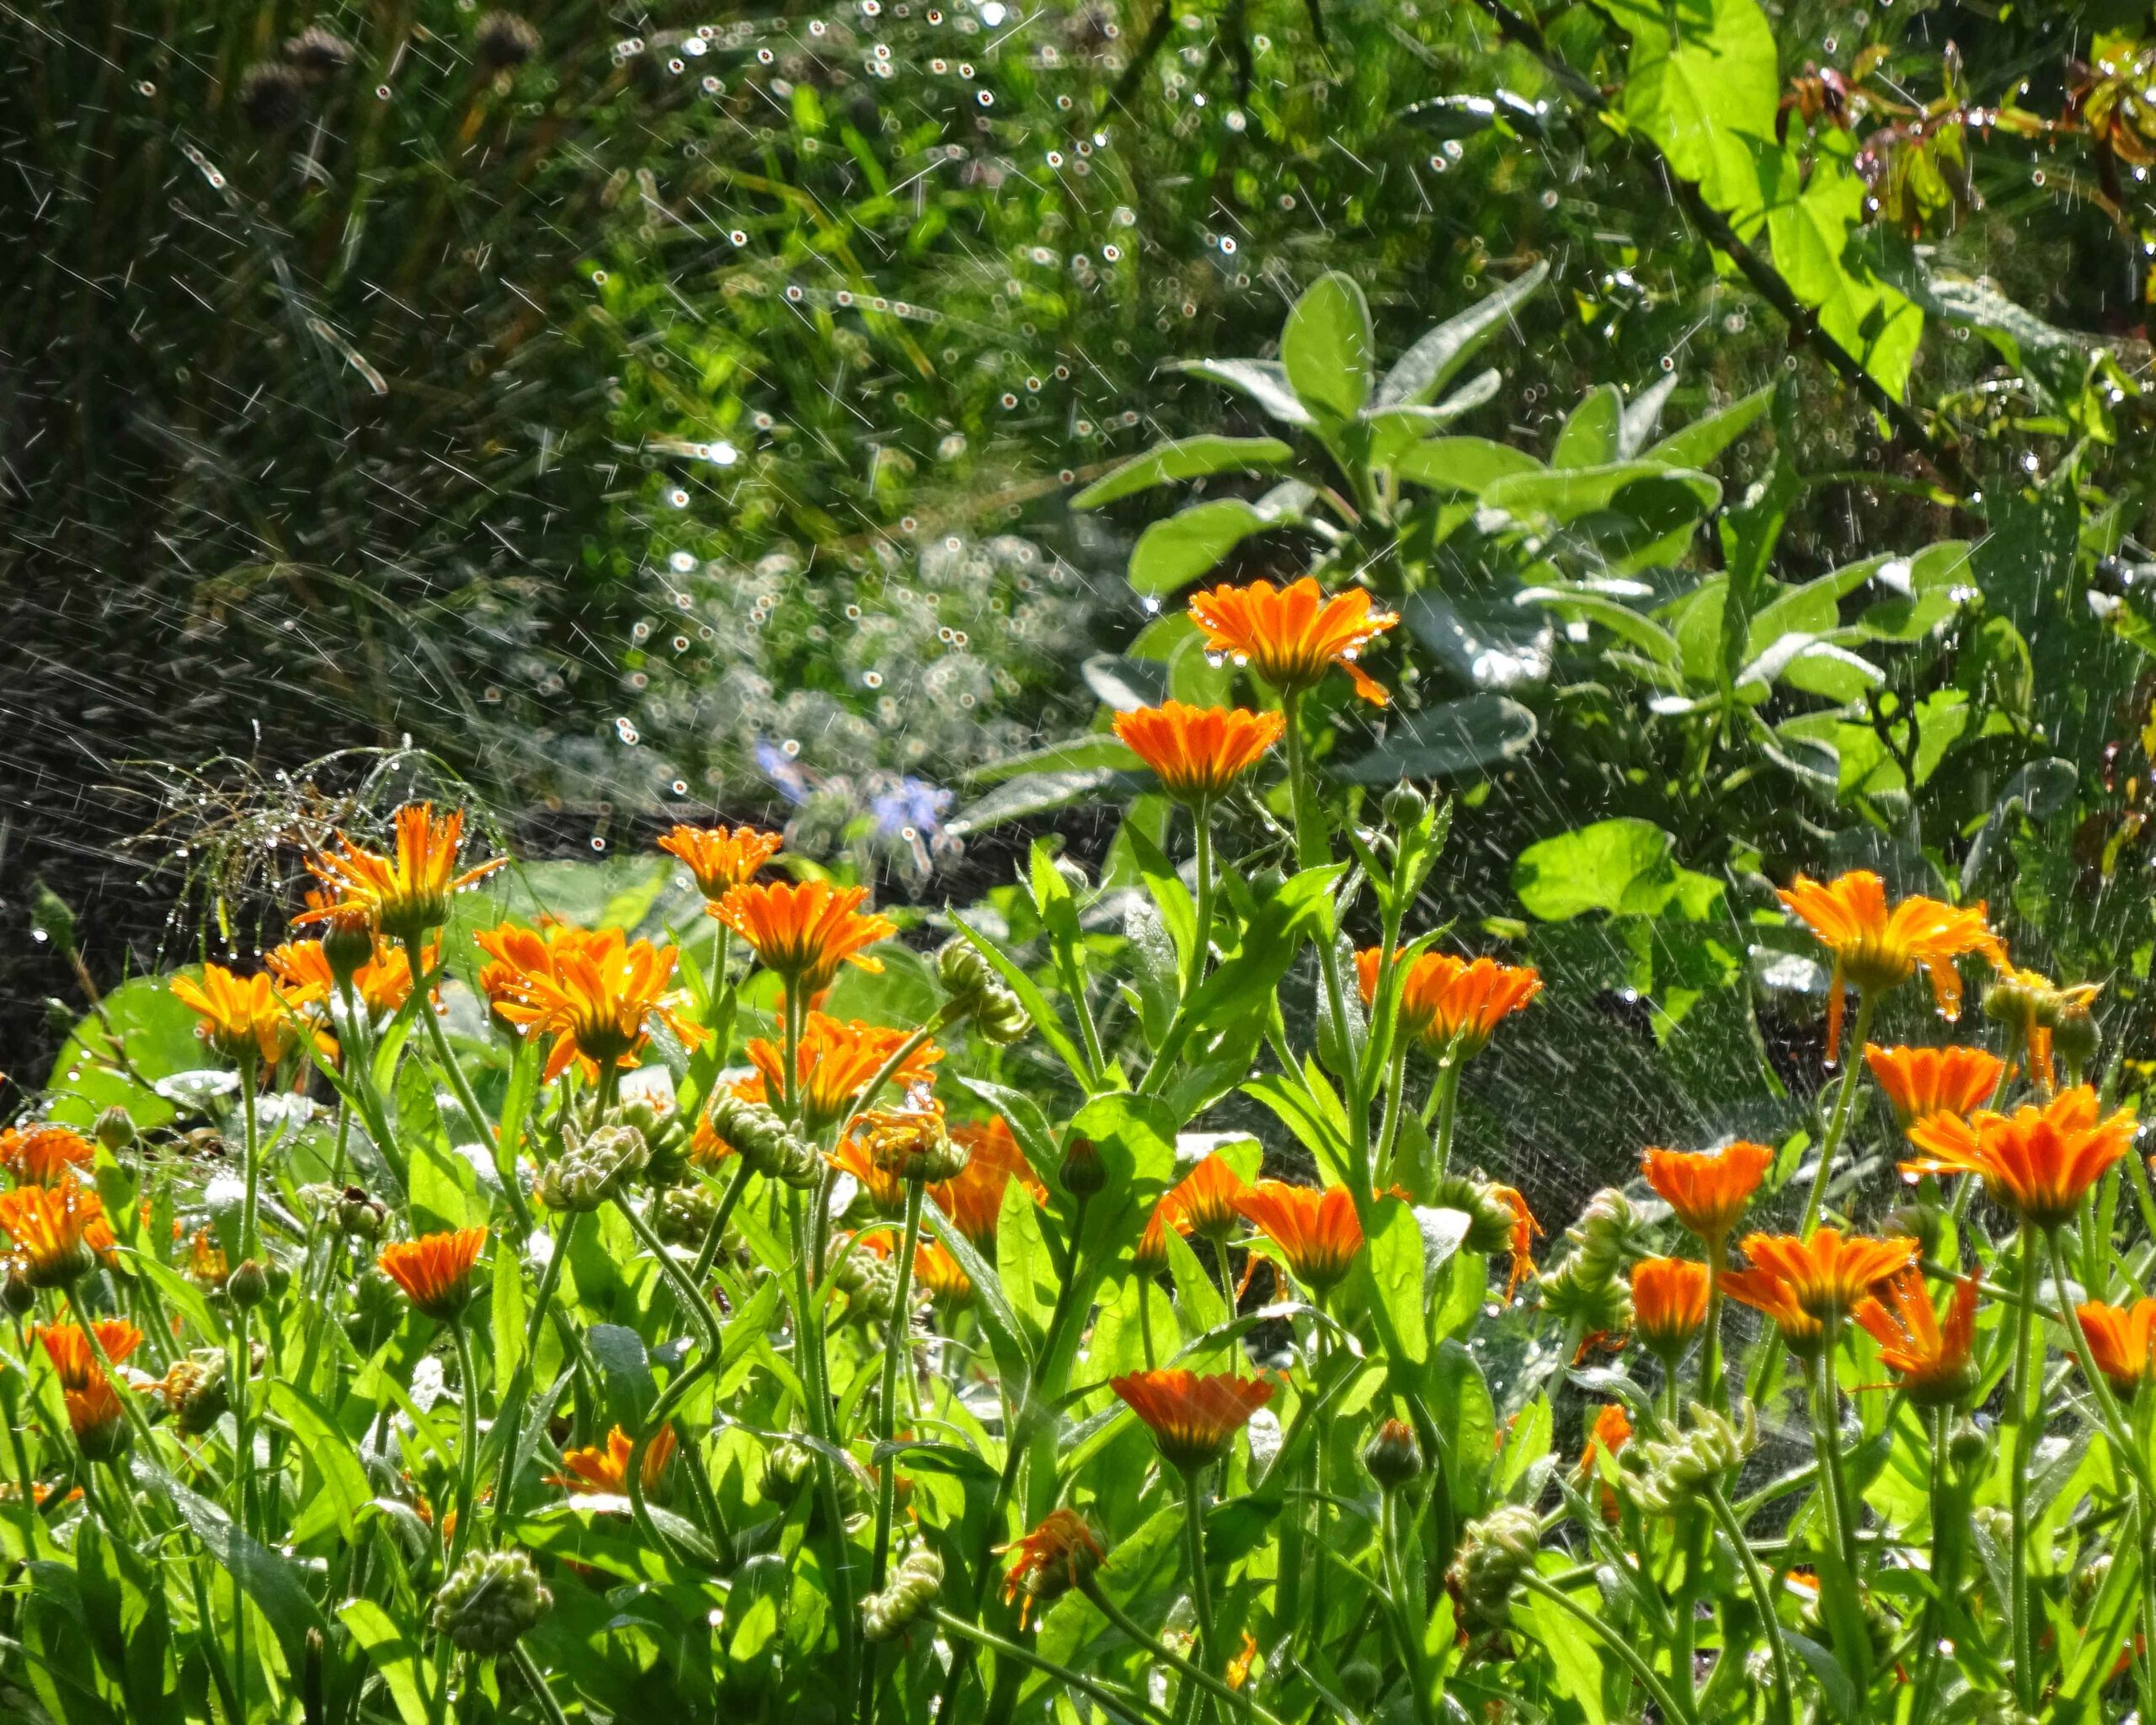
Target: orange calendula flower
column 1932, row 1365
column 834, row 1063
column 1919, row 1082
column 1611, row 1430
column 593, row 991
column 1292, row 635
column 805, row 932
column 722, row 858
column 886, row 1190
column 1192, row 1419
column 58, row 1230
column 1877, row 948
column 1708, row 1190
column 937, row 1270
column 2038, row 1163
column 73, row 1357
column 1318, row 1232
column 605, row 1467
column 97, row 1418
column 382, row 984
column 1204, row 1201
column 243, row 1018
column 434, row 1271
column 1198, row 753
column 1449, row 1003
column 405, row 894
column 1150, row 1256
column 2033, row 1008
column 1824, row 1278
column 1059, row 1555
column 1669, row 1304
column 2122, row 1342
column 1525, row 1232
column 973, row 1200
column 39, row 1155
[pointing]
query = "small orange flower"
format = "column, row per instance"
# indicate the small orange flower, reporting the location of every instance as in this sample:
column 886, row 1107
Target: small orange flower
column 404, row 895
column 207, row 1266
column 605, row 1468
column 974, row 1201
column 1876, row 948
column 1204, row 1201
column 76, row 1361
column 1192, row 1419
column 935, row 1269
column 1150, row 1256
column 1919, row 1082
column 834, row 1063
column 593, row 991
column 42, row 1154
column 382, row 984
column 1291, row 636
column 1708, row 1189
column 1933, row 1366
column 805, row 932
column 886, row 1188
column 434, row 1271
column 1823, row 1280
column 58, row 1230
column 1608, row 1435
column 2038, row 1163
column 1525, row 1232
column 242, row 1018
column 1449, row 1003
column 97, row 1418
column 1239, row 1667
column 2032, row 1006
column 1198, row 753
column 1318, row 1232
column 1059, row 1555
column 721, row 859
column 1669, row 1304
column 2122, row 1342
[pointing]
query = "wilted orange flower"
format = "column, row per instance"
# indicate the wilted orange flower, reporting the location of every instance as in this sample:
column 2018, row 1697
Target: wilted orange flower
column 721, row 859
column 72, row 1356
column 1318, row 1232
column 1876, row 948
column 96, row 1416
column 382, row 984
column 1933, row 1366
column 1291, row 636
column 2122, row 1342
column 886, row 1188
column 434, row 1271
column 1525, row 1232
column 805, row 932
column 1192, row 1419
column 1608, row 1435
column 1204, row 1201
column 974, row 1201
column 207, row 1266
column 405, row 895
column 593, row 991
column 1198, row 753
column 1239, row 1667
column 1708, row 1190
column 58, row 1230
column 2032, row 1007
column 242, row 1018
column 1824, row 1278
column 1059, row 1555
column 834, row 1063
column 40, row 1154
column 1669, row 1303
column 1919, row 1082
column 2038, row 1163
column 1447, row 1002
column 605, row 1468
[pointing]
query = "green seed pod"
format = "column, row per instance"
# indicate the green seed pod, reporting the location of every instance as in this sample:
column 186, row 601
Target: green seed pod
column 681, row 1215
column 763, row 1141
column 1490, row 1219
column 248, row 1285
column 196, row 1391
column 1405, row 805
column 914, row 1144
column 487, row 1605
column 1494, row 1553
column 586, row 1174
column 870, row 1283
column 665, row 1135
column 979, row 993
column 915, row 1584
column 1675, row 1472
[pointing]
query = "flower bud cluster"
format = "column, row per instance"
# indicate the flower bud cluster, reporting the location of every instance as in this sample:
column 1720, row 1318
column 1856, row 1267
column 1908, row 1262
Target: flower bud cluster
column 763, row 1141
column 915, row 1584
column 978, row 993
column 486, row 1607
column 1667, row 1475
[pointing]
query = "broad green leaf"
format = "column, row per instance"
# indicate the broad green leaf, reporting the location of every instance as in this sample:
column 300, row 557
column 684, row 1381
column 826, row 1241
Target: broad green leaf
column 1814, row 208
column 1463, row 463
column 269, row 1580
column 1264, row 382
column 1636, row 629
column 1472, row 734
column 1314, row 1114
column 1183, row 458
column 1023, row 1263
column 1014, row 1354
column 1703, row 84
column 1625, row 866
column 1707, row 436
column 1590, row 435
column 1492, row 643
column 392, row 1654
column 1576, row 1662
column 1037, row 793
column 339, row 1485
column 1089, row 754
column 1327, row 348
column 1171, row 554
column 1125, row 682
column 159, row 1034
column 505, row 1313
column 1563, row 494
column 1395, row 1262
column 1420, row 371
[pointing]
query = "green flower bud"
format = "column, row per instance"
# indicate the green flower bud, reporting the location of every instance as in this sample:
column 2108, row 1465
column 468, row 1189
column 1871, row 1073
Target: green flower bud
column 196, row 1391
column 377, row 1309
column 1674, row 1472
column 585, row 1175
column 115, row 1129
column 665, row 1135
column 1084, row 1174
column 979, row 993
column 1392, row 1456
column 2076, row 1037
column 1490, row 1218
column 487, row 1605
column 681, row 1215
column 248, row 1285
column 915, row 1584
column 763, row 1141
column 1360, row 1680
column 51, row 921
column 18, row 1292
column 1405, row 805
column 1924, row 1223
column 1966, row 1443
column 1494, row 1553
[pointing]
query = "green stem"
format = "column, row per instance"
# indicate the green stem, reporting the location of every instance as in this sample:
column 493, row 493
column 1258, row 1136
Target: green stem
column 1713, row 1391
column 806, row 1329
column 1311, row 847
column 1671, row 1709
column 521, row 1382
column 2099, row 1387
column 696, row 1310
column 1130, row 1627
column 1201, row 1583
column 467, row 1469
column 897, row 1344
column 536, row 1680
column 460, row 1086
column 1447, row 1097
column 1770, row 1620
column 1146, row 1317
column 242, row 1352
column 1125, row 1707
column 1396, row 1087
column 1412, row 1651
column 715, row 1237
column 1201, row 943
column 1827, row 1433
column 2024, row 1449
column 1838, row 1122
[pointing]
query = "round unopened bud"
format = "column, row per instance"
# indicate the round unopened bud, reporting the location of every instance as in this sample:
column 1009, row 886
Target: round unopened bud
column 362, row 1217
column 1966, row 1443
column 2090, row 1578
column 1360, row 1680
column 115, row 1129
column 1083, row 1174
column 1924, row 1223
column 784, row 1469
column 2076, row 1037
column 1265, row 883
column 248, row 1285
column 1405, row 805
column 1392, row 1456
column 915, row 1584
column 347, row 944
column 487, row 1605
column 377, row 1309
column 18, row 1292
column 979, row 993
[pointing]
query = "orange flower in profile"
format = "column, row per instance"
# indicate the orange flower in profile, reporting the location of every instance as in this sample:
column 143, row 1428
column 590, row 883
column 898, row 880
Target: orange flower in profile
column 1292, row 635
column 1198, row 753
column 935, row 1269
column 242, row 1018
column 1239, row 1667
column 404, row 895
column 719, row 858
column 1825, row 1279
column 2038, row 1163
column 605, row 1468
column 2122, row 1342
column 97, row 1418
column 1876, row 948
column 76, row 1360
column 58, row 1230
column 834, row 1063
column 1669, row 1304
column 1931, row 1366
column 42, row 1154
column 1192, row 1419
column 1204, row 1201
column 382, row 984
column 1150, row 1256
column 805, row 932
column 434, row 1271
column 1059, row 1555
column 1453, row 1003
column 1525, row 1232
column 974, row 1201
column 1608, row 1435
column 595, row 992
column 886, row 1190
column 1919, row 1082
column 1708, row 1190
column 1318, row 1232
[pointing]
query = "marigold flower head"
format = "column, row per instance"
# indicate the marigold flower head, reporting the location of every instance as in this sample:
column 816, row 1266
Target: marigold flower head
column 73, row 1357
column 1451, row 1003
column 973, row 1200
column 605, row 1467
column 1806, row 1285
column 886, row 1190
column 1150, row 1256
column 2122, row 1342
column 935, row 1269
column 592, row 990
column 834, row 1063
column 1198, row 753
column 1318, row 1233
column 2038, row 1162
column 1708, row 1190
column 1192, row 1419
column 243, row 1018
column 434, row 1271
column 58, row 1230
column 1919, row 1082
column 98, row 1418
column 1059, row 1555
column 1204, row 1201
column 805, row 932
column 722, row 858
column 1875, row 947
column 1932, row 1365
column 1669, row 1304
column 1292, row 635
column 382, row 984
column 40, row 1154
column 405, row 893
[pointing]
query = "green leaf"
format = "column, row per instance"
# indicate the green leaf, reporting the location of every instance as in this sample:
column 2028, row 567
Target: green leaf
column 1395, row 1262
column 1014, row 1353
column 1125, row 683
column 1576, row 1663
column 1815, row 207
column 1327, row 347
column 1089, row 754
column 159, row 1034
column 1709, row 435
column 1183, row 458
column 1636, row 629
column 1420, row 371
column 1264, row 382
column 1563, row 494
column 1467, row 464
column 1703, row 84
column 1171, row 554
column 1313, row 1113
column 1492, row 643
column 270, row 1580
column 1472, row 734
column 392, row 1654
column 505, row 1312
column 1590, row 438
column 1038, row 793
column 1626, row 866
column 339, row 1485
column 1248, row 978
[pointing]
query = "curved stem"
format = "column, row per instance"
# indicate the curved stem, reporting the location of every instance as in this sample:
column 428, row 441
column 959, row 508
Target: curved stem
column 528, row 1669
column 715, row 1237
column 520, row 1383
column 1125, row 1707
column 1671, row 1707
column 1770, row 1622
column 467, row 1467
column 1138, row 1633
column 696, row 1310
column 1838, row 1122
column 2024, row 1449
column 808, row 1325
column 460, row 1086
